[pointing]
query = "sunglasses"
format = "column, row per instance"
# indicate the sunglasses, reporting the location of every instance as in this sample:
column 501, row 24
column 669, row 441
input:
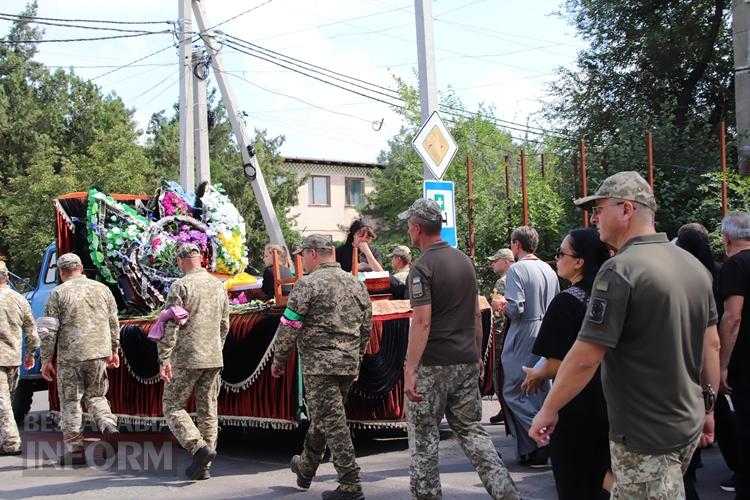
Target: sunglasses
column 560, row 253
column 596, row 210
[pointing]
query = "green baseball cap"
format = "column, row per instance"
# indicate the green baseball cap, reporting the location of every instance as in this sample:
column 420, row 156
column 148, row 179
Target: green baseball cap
column 315, row 242
column 425, row 209
column 628, row 186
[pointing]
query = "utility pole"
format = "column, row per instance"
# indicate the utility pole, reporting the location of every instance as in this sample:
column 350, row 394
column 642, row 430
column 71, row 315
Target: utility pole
column 187, row 168
column 470, row 193
column 249, row 160
column 650, row 158
column 741, row 37
column 524, row 192
column 583, row 157
column 426, row 62
column 200, row 116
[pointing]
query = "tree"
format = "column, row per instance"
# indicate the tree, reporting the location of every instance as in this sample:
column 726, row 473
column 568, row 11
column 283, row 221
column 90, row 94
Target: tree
column 399, row 183
column 58, row 133
column 660, row 66
column 162, row 147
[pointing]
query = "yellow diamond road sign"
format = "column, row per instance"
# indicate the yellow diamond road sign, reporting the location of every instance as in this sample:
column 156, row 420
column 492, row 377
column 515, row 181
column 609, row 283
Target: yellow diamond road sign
column 435, row 145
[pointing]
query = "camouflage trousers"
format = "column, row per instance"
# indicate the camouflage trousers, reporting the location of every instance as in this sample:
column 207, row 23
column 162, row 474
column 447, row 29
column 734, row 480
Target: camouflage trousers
column 87, row 382
column 655, row 477
column 9, row 438
column 325, row 396
column 452, row 391
column 205, row 382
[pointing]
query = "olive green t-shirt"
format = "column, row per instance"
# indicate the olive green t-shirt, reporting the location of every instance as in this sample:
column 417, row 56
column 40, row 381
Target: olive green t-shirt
column 650, row 305
column 444, row 277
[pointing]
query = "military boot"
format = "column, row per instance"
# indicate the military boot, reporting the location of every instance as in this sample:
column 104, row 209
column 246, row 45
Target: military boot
column 339, row 494
column 10, row 453
column 111, row 436
column 302, row 480
column 201, row 459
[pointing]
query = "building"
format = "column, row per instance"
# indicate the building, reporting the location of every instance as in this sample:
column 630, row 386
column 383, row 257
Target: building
column 328, row 199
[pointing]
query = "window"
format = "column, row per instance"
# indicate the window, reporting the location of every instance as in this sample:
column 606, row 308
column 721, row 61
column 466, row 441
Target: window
column 355, row 191
column 320, row 190
column 51, row 276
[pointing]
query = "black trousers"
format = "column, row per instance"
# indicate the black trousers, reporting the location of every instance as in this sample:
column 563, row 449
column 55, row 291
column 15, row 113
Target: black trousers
column 579, row 450
column 741, row 400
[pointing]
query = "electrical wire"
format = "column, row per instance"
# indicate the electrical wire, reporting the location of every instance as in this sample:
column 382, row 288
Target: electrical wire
column 94, row 39
column 131, row 63
column 244, row 12
column 275, row 92
column 156, row 96
column 101, row 21
column 81, row 26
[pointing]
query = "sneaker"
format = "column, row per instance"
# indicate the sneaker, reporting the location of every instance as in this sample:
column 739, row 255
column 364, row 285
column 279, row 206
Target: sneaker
column 204, row 474
column 73, row 458
column 339, row 494
column 728, row 485
column 302, row 480
column 497, row 419
column 201, row 459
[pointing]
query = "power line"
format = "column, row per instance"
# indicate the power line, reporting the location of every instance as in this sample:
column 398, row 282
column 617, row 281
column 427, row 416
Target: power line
column 105, row 66
column 156, row 96
column 389, row 92
column 168, row 77
column 233, row 46
column 94, row 39
column 101, row 21
column 251, row 9
column 82, row 26
column 131, row 63
column 322, row 108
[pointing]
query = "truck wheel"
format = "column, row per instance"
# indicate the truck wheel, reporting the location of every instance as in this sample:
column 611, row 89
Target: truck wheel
column 22, row 397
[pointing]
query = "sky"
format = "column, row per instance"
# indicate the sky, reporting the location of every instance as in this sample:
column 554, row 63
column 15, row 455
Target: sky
column 499, row 53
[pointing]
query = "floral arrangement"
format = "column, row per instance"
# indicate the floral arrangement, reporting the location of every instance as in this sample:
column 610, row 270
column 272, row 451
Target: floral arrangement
column 223, row 217
column 142, row 246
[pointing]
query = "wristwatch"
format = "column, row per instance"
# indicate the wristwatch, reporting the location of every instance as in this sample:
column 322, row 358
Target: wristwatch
column 709, row 397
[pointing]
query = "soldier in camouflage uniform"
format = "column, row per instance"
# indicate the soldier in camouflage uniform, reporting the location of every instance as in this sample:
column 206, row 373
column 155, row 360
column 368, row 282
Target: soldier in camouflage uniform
column 328, row 317
column 86, row 338
column 651, row 324
column 443, row 361
column 500, row 261
column 191, row 359
column 15, row 320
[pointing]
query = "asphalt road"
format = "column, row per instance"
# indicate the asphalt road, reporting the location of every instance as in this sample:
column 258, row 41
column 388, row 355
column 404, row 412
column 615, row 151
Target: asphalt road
column 254, row 464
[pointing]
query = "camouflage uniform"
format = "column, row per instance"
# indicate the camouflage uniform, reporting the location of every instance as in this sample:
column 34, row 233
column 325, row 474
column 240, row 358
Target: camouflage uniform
column 195, row 353
column 88, row 333
column 15, row 320
column 405, row 253
column 449, row 390
column 655, row 477
column 328, row 317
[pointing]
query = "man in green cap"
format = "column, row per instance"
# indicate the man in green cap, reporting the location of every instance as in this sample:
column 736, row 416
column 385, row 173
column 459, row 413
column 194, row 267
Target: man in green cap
column 500, row 261
column 16, row 322
column 651, row 324
column 190, row 359
column 401, row 262
column 328, row 317
column 443, row 360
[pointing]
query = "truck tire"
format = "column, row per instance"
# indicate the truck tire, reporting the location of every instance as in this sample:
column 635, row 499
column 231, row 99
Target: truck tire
column 21, row 399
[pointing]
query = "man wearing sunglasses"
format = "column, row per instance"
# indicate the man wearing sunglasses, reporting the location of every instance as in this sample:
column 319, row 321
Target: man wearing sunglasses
column 651, row 324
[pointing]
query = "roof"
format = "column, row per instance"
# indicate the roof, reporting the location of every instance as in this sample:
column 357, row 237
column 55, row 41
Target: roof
column 331, row 163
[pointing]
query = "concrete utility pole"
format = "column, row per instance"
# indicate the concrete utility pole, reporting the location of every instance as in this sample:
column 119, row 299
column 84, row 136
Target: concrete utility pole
column 426, row 61
column 200, row 115
column 250, row 162
column 187, row 169
column 741, row 36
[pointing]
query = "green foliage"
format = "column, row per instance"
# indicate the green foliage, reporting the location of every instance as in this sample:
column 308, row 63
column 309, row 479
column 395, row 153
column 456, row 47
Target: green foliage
column 399, row 183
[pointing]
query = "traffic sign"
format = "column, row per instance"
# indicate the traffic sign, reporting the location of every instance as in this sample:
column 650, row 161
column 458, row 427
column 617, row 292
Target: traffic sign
column 435, row 145
column 442, row 192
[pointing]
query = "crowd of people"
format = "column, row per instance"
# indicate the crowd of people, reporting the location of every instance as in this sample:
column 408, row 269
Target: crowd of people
column 618, row 380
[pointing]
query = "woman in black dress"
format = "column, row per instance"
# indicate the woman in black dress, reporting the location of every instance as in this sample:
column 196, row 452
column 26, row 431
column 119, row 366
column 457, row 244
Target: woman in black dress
column 579, row 447
column 361, row 235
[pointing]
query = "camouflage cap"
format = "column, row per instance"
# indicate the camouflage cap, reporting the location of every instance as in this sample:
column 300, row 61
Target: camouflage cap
column 504, row 254
column 401, row 251
column 624, row 186
column 68, row 261
column 315, row 242
column 188, row 250
column 423, row 208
